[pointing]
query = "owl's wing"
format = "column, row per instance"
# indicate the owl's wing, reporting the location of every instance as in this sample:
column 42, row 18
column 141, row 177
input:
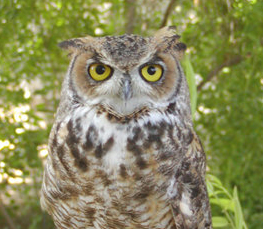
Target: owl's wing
column 189, row 198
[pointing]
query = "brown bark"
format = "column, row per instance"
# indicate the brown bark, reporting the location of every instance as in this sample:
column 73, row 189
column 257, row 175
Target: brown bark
column 167, row 13
column 216, row 70
column 130, row 11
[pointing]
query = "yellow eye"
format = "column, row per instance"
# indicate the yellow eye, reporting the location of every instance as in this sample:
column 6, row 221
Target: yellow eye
column 99, row 72
column 152, row 72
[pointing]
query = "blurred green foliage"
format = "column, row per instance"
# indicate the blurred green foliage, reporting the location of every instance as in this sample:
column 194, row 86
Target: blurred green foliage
column 225, row 46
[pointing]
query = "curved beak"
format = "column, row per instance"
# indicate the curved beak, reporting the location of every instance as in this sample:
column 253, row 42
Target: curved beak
column 126, row 87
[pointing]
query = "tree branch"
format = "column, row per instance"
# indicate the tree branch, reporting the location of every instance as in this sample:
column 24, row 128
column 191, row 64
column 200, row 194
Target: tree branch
column 167, row 13
column 235, row 60
column 5, row 214
column 130, row 11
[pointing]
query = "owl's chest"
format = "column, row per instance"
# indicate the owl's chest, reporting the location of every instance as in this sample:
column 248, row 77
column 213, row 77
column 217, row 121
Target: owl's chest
column 119, row 169
column 120, row 150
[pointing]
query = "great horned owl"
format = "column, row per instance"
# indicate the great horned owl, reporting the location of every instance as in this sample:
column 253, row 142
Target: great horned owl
column 123, row 152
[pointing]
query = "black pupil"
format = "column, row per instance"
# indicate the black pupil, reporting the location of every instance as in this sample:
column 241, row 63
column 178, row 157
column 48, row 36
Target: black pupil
column 100, row 69
column 151, row 70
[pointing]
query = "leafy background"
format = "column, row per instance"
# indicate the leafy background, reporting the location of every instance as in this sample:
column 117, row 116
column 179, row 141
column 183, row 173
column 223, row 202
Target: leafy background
column 224, row 57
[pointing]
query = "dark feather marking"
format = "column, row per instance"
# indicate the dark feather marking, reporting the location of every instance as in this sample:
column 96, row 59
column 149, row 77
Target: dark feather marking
column 88, row 144
column 97, row 57
column 78, row 126
column 98, row 151
column 155, row 138
column 188, row 136
column 179, row 132
column 100, row 174
column 137, row 133
column 88, row 188
column 123, row 171
column 165, row 155
column 70, row 190
column 176, row 149
column 60, row 153
column 198, row 202
column 113, row 223
column 107, row 146
column 166, row 170
column 141, row 163
column 138, row 176
column 187, row 178
column 164, row 216
column 171, row 137
column 65, row 218
column 178, row 174
column 132, row 214
column 58, row 195
column 208, row 225
column 102, row 149
column 136, row 150
column 157, row 129
column 72, row 142
column 195, row 191
column 146, row 144
column 180, row 47
column 92, row 133
column 186, row 165
column 131, row 146
column 155, row 134
column 55, row 165
column 110, row 116
column 54, row 142
column 89, row 213
column 144, row 192
column 99, row 200
column 176, row 210
column 82, row 163
column 171, row 108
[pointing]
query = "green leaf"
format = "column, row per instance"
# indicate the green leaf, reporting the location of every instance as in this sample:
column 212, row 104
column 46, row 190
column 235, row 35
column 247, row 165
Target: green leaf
column 224, row 203
column 210, row 188
column 214, row 179
column 239, row 220
column 219, row 221
column 190, row 76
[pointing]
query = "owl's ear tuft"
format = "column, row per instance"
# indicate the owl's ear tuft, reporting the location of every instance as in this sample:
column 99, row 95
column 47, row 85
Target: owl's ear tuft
column 76, row 44
column 168, row 41
column 181, row 47
column 167, row 31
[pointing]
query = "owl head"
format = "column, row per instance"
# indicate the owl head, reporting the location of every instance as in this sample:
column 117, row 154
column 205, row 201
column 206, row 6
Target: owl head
column 126, row 73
